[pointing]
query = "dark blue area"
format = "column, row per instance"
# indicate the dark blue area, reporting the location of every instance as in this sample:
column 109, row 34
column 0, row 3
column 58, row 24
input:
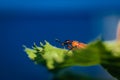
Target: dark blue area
column 26, row 22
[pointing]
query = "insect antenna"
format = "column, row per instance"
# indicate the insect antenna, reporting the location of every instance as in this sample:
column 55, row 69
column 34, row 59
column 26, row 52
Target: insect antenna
column 59, row 41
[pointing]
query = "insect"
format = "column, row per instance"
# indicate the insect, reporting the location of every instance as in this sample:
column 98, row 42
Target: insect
column 72, row 44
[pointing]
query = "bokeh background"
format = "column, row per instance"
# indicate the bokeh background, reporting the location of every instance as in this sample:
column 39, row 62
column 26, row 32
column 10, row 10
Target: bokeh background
column 23, row 22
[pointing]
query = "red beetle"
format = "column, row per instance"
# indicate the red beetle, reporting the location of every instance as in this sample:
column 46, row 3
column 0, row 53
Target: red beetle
column 72, row 44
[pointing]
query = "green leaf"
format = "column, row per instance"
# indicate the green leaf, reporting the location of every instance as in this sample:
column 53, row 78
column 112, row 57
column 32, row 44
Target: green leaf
column 54, row 57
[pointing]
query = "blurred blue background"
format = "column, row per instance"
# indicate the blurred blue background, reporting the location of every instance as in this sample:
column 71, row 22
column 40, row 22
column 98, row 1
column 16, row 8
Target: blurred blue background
column 23, row 22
